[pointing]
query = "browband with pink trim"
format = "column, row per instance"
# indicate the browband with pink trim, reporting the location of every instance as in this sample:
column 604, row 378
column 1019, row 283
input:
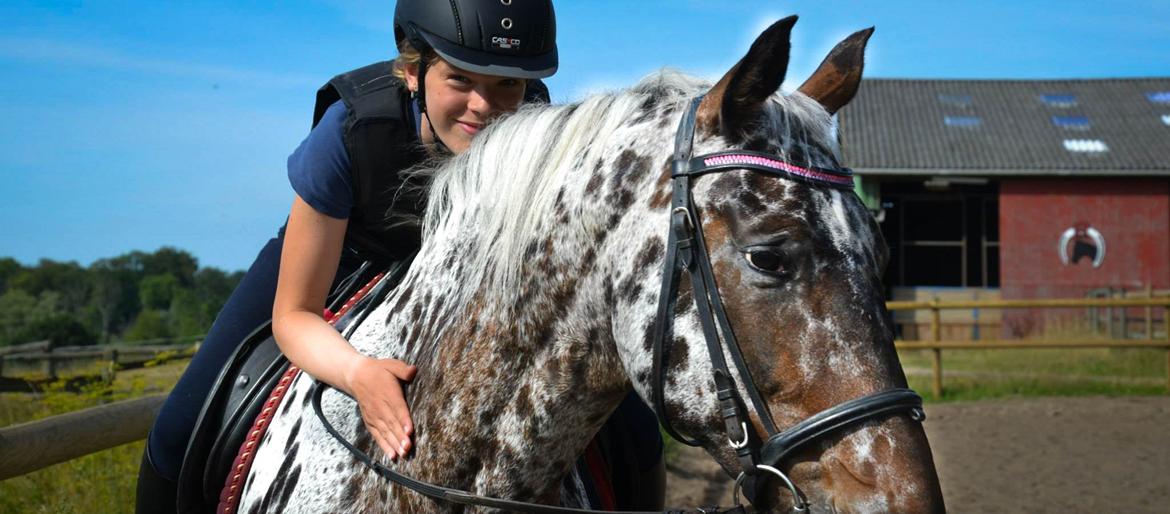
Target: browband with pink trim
column 745, row 159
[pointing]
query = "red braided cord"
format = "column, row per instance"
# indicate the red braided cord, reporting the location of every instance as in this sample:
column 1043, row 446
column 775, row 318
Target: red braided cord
column 229, row 498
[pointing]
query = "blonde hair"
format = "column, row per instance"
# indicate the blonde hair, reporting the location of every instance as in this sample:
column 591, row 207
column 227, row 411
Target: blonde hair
column 409, row 56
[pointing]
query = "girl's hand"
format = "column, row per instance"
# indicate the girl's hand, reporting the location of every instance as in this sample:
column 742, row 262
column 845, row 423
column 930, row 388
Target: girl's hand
column 374, row 383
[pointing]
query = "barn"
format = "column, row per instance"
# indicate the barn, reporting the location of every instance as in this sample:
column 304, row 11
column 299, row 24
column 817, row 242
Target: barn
column 1015, row 189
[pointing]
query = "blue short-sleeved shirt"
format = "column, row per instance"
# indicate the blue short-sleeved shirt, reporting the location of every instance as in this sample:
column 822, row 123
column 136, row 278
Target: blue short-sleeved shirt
column 319, row 168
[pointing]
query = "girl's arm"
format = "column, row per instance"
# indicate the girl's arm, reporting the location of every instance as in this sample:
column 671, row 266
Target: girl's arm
column 309, row 260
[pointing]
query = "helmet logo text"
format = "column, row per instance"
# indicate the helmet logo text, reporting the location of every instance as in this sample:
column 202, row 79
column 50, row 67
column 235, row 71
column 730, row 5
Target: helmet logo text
column 507, row 43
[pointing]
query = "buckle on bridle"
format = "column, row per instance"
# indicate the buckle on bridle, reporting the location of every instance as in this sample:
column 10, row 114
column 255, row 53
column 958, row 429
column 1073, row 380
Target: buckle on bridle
column 740, row 444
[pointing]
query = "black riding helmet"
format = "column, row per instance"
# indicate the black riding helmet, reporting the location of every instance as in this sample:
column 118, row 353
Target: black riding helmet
column 509, row 38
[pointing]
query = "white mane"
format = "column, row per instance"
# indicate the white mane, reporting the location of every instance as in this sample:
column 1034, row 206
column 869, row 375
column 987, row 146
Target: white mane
column 494, row 196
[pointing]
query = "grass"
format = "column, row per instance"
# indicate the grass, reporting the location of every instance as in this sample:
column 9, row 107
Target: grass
column 99, row 483
column 986, row 374
column 104, row 482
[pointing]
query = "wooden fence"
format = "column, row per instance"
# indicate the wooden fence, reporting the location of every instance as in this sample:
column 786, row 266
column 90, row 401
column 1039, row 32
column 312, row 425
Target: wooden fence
column 40, row 362
column 936, row 345
column 30, row 446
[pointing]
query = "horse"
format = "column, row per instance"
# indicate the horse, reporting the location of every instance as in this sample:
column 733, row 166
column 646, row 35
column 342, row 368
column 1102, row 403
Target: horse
column 536, row 303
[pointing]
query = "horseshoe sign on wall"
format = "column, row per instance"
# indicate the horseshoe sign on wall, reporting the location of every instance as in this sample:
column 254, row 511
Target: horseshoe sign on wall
column 1081, row 241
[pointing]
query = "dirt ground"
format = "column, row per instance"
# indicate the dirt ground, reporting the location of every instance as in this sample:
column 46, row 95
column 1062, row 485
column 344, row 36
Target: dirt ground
column 1030, row 455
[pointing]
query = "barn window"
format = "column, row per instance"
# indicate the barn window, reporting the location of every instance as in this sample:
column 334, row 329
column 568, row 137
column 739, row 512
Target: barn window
column 942, row 237
column 1159, row 97
column 962, row 121
column 1059, row 100
column 1085, row 145
column 955, row 100
column 1071, row 122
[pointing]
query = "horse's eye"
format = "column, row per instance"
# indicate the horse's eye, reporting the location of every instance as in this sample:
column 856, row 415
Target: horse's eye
column 765, row 259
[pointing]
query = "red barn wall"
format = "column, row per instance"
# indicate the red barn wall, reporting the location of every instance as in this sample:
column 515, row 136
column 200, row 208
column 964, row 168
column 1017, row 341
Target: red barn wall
column 1133, row 216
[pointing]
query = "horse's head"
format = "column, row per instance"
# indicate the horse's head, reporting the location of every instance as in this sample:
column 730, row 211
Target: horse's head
column 796, row 261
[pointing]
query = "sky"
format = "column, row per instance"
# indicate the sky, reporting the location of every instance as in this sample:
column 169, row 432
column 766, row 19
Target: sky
column 132, row 125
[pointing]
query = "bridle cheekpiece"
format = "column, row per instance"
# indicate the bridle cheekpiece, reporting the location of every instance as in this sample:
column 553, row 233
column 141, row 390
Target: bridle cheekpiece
column 687, row 251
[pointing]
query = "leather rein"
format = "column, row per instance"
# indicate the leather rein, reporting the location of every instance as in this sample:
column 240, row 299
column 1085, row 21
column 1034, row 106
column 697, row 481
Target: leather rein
column 686, row 250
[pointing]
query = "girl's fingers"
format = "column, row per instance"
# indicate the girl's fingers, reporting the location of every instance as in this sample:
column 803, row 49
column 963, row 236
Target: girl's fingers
column 402, row 415
column 402, row 370
column 395, row 435
column 387, row 448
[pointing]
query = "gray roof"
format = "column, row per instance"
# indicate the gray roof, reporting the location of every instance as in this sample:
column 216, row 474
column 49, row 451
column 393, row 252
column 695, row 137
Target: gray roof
column 1008, row 127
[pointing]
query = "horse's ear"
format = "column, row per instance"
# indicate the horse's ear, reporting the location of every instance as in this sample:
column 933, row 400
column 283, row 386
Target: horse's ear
column 836, row 80
column 738, row 98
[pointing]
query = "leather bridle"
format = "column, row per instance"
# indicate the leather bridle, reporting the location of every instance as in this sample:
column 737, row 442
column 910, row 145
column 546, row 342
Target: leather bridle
column 686, row 250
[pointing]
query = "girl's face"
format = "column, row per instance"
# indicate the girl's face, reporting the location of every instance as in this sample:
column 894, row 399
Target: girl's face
column 459, row 103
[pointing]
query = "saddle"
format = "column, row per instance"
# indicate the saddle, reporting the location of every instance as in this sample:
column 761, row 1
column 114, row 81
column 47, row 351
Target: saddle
column 243, row 387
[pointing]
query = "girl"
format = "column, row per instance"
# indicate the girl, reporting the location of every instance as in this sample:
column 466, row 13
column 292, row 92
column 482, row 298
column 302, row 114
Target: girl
column 451, row 78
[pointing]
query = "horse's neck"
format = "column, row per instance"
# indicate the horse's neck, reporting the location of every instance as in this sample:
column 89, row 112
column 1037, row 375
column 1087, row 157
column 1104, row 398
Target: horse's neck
column 508, row 395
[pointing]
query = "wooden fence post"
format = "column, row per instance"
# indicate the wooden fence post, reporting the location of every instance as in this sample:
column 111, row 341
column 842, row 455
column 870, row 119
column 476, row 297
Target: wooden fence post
column 1124, row 318
column 1149, row 312
column 936, row 336
column 1109, row 317
column 110, row 370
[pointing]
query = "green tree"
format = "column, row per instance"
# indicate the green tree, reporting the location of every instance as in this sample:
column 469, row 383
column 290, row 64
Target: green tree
column 67, row 279
column 114, row 293
column 16, row 310
column 187, row 315
column 23, row 317
column 61, row 329
column 156, row 291
column 8, row 268
column 150, row 324
column 213, row 286
column 171, row 261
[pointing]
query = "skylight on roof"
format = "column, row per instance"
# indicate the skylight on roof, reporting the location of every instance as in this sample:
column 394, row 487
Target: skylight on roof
column 962, row 121
column 1059, row 100
column 1159, row 97
column 955, row 100
column 1085, row 146
column 1166, row 119
column 1071, row 122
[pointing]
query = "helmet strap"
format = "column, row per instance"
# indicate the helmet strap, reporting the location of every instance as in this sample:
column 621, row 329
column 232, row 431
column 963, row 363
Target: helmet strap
column 439, row 145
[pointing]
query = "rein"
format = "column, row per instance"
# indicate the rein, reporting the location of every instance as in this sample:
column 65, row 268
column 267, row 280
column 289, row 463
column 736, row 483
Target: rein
column 447, row 494
column 686, row 250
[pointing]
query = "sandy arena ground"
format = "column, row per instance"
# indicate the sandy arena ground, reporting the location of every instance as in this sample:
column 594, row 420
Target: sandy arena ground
column 1034, row 455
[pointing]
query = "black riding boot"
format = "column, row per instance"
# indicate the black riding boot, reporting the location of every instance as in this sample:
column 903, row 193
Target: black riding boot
column 156, row 494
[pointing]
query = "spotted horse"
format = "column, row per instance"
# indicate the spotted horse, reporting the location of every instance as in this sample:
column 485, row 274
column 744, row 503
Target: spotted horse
column 634, row 239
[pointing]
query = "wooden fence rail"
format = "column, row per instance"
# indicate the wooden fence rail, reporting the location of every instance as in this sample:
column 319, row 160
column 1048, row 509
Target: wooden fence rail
column 48, row 363
column 936, row 345
column 27, row 447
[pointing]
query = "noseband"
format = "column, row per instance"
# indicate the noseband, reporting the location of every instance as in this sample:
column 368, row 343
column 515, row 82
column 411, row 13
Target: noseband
column 687, row 250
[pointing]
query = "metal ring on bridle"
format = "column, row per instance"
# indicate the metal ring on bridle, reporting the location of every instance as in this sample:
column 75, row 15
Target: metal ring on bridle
column 799, row 502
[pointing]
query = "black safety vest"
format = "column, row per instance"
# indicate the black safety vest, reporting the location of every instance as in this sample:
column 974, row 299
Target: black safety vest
column 381, row 139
